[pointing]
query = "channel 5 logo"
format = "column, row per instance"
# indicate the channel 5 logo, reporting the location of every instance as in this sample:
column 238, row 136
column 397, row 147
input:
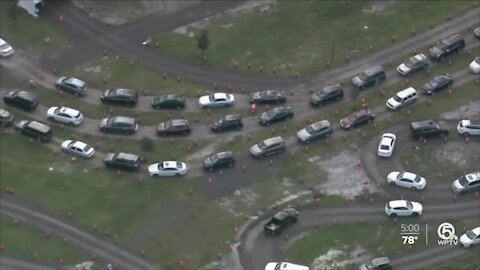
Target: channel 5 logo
column 446, row 234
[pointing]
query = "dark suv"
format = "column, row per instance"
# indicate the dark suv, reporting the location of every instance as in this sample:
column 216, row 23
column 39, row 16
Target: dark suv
column 274, row 115
column 218, row 161
column 34, row 130
column 228, row 122
column 174, row 127
column 124, row 161
column 22, row 99
column 429, row 128
column 119, row 124
column 369, row 77
column 326, row 95
column 120, row 96
column 446, row 46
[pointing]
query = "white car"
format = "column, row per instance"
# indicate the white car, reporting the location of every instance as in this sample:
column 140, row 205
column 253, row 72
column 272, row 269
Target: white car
column 5, row 48
column 475, row 65
column 470, row 238
column 167, row 168
column 406, row 180
column 403, row 208
column 386, row 145
column 468, row 127
column 78, row 148
column 65, row 115
column 216, row 100
column 285, row 266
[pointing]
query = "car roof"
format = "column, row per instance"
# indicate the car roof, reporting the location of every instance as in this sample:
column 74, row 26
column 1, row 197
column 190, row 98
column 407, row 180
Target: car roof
column 452, row 39
column 380, row 261
column 273, row 140
column 124, row 119
column 472, row 176
column 470, row 122
column 221, row 95
column 361, row 112
column 409, row 175
column 75, row 81
column 225, row 154
column 320, row 124
column 425, row 123
column 79, row 144
column 419, row 57
column 25, row 95
column 373, row 70
column 177, row 122
column 233, row 116
column 331, row 88
column 69, row 111
column 38, row 126
column 398, row 203
column 405, row 92
column 124, row 91
column 386, row 141
column 127, row 156
column 170, row 164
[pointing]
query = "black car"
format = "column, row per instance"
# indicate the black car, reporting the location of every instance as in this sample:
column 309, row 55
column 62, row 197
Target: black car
column 370, row 77
column 71, row 85
column 315, row 131
column 429, row 128
column 268, row 97
column 174, row 127
column 119, row 124
column 21, row 99
column 228, row 122
column 358, row 118
column 219, row 161
column 6, row 118
column 326, row 95
column 35, row 130
column 170, row 101
column 280, row 221
column 446, row 46
column 437, row 84
column 120, row 96
column 413, row 64
column 124, row 161
column 275, row 115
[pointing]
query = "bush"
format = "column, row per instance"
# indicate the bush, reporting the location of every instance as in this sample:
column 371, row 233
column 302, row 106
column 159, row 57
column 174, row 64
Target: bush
column 147, row 144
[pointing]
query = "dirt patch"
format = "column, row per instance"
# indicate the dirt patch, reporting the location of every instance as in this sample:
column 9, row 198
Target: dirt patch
column 249, row 6
column 120, row 12
column 333, row 259
column 468, row 111
column 458, row 154
column 243, row 196
column 378, row 6
column 345, row 176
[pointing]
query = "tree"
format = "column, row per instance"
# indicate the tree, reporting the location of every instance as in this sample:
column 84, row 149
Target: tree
column 203, row 41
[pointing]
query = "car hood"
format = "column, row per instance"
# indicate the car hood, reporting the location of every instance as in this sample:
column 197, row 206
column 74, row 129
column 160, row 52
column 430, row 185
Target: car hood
column 434, row 51
column 203, row 100
column 103, row 122
column 264, row 116
column 403, row 67
column 255, row 96
column 66, row 143
column 5, row 114
column 60, row 80
column 109, row 157
column 417, row 207
column 393, row 175
column 105, row 93
column 51, row 110
column 474, row 66
column 356, row 80
column 393, row 102
column 161, row 126
column 270, row 266
column 21, row 123
column 303, row 134
column 345, row 122
column 153, row 168
column 464, row 239
column 456, row 185
column 255, row 149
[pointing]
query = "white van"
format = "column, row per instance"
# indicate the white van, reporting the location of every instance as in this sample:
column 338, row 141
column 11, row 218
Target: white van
column 402, row 98
column 285, row 266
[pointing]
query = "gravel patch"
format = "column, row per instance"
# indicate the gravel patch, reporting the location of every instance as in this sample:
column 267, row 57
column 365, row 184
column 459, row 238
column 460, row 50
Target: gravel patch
column 333, row 259
column 467, row 111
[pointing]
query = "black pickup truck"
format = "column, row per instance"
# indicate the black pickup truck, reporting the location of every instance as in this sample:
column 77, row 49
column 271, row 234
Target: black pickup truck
column 280, row 220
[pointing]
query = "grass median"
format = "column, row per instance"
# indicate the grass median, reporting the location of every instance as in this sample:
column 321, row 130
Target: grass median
column 310, row 37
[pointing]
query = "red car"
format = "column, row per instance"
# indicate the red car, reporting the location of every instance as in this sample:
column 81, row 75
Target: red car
column 358, row 118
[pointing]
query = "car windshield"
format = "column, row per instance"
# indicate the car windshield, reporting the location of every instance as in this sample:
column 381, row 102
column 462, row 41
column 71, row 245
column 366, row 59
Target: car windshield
column 86, row 148
column 272, row 112
column 262, row 145
column 471, row 235
column 410, row 62
column 369, row 265
column 213, row 158
column 311, row 129
column 353, row 117
column 211, row 97
column 4, row 46
column 275, row 221
column 397, row 98
column 78, row 115
column 384, row 147
column 477, row 60
column 417, row 179
column 409, row 205
column 363, row 76
column 433, row 83
column 168, row 124
column 463, row 181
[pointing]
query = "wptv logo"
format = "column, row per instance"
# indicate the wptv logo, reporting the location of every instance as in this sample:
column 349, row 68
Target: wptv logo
column 446, row 234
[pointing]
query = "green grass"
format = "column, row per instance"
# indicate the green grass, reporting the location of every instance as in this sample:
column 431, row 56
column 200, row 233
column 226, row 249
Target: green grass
column 468, row 263
column 105, row 72
column 310, row 37
column 23, row 31
column 377, row 239
column 94, row 197
column 16, row 236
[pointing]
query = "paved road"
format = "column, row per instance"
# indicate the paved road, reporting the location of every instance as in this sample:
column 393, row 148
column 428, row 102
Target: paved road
column 103, row 248
column 83, row 27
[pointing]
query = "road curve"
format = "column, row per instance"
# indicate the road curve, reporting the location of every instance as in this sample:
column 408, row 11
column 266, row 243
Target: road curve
column 104, row 249
column 85, row 28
